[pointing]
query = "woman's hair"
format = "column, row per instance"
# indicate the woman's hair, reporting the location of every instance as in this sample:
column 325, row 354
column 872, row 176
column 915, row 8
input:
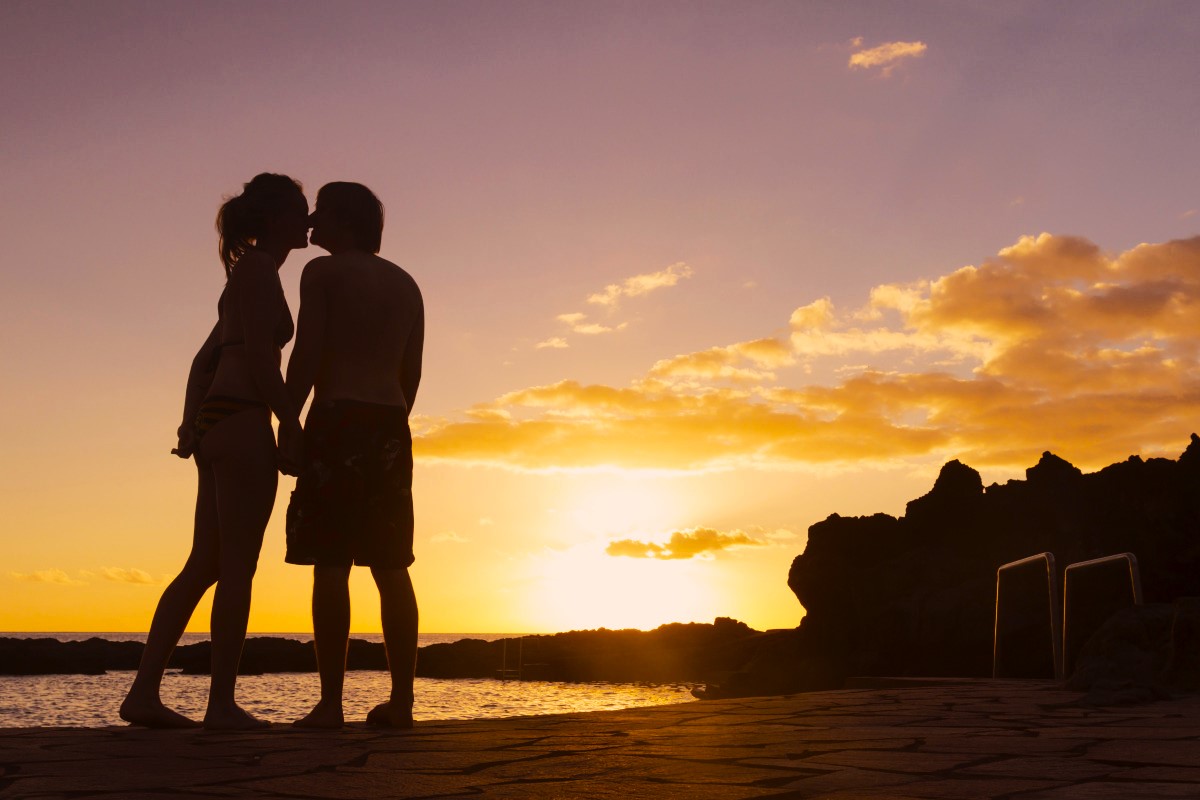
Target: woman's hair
column 358, row 209
column 243, row 218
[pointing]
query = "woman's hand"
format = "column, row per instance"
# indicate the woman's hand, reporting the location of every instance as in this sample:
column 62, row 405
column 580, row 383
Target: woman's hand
column 187, row 441
column 291, row 449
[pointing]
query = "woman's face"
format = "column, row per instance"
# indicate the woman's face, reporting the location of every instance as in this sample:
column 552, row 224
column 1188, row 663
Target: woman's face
column 294, row 222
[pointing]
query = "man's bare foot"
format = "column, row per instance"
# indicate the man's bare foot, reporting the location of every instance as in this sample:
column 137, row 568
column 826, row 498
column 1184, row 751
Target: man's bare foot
column 323, row 715
column 153, row 714
column 391, row 714
column 232, row 719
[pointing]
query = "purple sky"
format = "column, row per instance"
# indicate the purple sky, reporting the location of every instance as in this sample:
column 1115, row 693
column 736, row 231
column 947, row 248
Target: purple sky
column 529, row 155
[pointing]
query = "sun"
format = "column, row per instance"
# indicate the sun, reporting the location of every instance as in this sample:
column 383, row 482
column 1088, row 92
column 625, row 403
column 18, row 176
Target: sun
column 620, row 504
column 583, row 588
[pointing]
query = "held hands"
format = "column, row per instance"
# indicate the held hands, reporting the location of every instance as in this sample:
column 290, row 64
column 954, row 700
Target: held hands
column 291, row 448
column 187, row 441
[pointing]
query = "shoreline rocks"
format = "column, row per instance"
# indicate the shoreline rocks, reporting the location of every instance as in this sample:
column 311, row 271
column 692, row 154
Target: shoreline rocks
column 674, row 653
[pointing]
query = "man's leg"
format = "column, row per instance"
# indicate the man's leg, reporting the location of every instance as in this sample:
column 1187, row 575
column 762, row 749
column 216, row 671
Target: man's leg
column 398, row 609
column 331, row 632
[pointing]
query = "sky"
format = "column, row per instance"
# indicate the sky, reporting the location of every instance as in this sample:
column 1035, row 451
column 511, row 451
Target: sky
column 697, row 275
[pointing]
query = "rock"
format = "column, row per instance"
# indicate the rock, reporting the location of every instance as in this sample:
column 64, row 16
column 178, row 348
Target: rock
column 676, row 653
column 915, row 595
column 1121, row 662
column 50, row 656
column 955, row 492
column 1183, row 656
column 1052, row 470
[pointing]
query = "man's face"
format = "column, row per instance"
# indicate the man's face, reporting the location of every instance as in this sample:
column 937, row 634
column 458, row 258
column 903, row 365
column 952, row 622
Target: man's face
column 320, row 223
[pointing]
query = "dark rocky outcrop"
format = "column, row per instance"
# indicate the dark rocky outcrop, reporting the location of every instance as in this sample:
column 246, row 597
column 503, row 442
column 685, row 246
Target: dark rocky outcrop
column 1123, row 660
column 671, row 653
column 682, row 653
column 93, row 656
column 915, row 596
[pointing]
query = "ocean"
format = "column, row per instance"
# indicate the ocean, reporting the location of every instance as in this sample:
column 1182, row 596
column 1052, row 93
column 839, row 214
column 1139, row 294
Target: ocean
column 92, row 700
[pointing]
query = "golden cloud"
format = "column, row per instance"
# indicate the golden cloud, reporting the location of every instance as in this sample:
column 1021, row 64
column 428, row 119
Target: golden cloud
column 885, row 56
column 122, row 575
column 1050, row 344
column 47, row 576
column 641, row 284
column 725, row 363
column 683, row 544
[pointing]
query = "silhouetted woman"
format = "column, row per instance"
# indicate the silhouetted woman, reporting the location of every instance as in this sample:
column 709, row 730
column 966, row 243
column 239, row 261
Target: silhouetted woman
column 232, row 390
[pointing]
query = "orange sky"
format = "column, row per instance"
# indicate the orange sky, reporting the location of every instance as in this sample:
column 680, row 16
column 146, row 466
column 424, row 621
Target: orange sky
column 696, row 277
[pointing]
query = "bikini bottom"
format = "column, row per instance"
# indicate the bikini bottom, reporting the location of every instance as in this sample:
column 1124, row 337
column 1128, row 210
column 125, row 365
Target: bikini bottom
column 217, row 407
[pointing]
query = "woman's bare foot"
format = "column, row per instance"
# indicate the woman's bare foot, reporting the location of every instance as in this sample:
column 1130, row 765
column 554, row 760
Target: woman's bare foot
column 391, row 714
column 153, row 714
column 323, row 715
column 232, row 719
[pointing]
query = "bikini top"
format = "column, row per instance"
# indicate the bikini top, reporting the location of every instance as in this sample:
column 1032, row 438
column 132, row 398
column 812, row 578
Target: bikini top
column 283, row 331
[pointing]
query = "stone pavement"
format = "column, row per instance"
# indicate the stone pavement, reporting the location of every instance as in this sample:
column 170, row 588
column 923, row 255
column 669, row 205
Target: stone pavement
column 965, row 739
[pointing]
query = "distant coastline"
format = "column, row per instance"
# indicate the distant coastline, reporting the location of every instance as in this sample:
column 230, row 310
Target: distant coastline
column 193, row 637
column 679, row 652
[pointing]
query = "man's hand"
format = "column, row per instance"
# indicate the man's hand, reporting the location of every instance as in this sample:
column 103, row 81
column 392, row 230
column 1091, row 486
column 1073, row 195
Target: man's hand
column 291, row 449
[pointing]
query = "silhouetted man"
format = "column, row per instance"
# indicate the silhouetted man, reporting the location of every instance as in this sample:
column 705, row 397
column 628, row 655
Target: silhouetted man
column 358, row 344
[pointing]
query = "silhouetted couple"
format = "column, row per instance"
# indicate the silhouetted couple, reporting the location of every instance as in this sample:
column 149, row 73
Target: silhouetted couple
column 358, row 345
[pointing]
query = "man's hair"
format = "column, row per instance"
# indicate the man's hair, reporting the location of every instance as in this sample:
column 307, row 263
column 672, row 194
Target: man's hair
column 356, row 207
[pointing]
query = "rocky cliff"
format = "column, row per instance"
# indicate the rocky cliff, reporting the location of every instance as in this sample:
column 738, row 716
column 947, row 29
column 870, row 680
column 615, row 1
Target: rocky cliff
column 915, row 595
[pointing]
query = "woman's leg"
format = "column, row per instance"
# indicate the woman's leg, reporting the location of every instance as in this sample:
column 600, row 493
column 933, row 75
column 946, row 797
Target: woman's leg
column 143, row 706
column 242, row 451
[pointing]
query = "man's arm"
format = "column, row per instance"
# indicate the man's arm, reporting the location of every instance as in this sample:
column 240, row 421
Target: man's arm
column 305, row 362
column 410, row 367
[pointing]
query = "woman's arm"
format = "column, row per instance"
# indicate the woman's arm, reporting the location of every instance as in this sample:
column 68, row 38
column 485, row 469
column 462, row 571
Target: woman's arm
column 255, row 293
column 200, row 377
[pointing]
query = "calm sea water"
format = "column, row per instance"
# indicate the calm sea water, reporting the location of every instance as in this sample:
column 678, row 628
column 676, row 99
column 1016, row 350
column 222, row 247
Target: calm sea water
column 92, row 700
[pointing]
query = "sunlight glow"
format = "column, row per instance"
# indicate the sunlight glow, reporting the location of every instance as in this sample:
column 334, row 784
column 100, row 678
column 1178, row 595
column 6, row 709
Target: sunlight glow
column 583, row 588
column 617, row 504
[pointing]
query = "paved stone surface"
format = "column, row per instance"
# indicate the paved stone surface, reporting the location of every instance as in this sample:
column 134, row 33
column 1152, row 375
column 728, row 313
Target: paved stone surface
column 986, row 739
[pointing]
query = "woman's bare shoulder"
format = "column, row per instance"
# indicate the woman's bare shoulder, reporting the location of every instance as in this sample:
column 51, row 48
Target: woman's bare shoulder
column 254, row 259
column 253, row 267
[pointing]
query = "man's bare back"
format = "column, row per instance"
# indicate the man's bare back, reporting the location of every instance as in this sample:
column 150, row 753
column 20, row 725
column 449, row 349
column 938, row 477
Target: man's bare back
column 367, row 319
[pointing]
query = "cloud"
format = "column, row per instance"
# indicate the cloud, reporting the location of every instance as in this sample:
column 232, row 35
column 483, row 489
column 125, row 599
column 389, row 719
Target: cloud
column 609, row 298
column 641, row 284
column 1050, row 344
column 885, row 56
column 744, row 362
column 577, row 324
column 593, row 328
column 692, row 543
column 121, row 575
column 47, row 576
column 449, row 536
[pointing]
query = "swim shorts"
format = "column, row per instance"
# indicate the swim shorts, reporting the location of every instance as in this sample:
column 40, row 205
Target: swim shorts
column 353, row 500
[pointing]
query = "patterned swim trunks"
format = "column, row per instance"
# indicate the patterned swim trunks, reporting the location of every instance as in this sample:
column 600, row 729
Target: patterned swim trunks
column 353, row 500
